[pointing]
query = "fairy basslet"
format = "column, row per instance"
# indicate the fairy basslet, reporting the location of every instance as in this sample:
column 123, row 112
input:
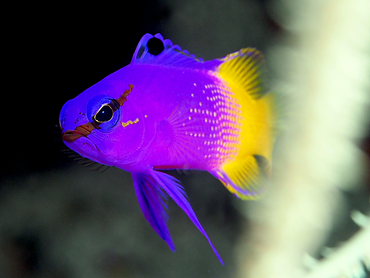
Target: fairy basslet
column 168, row 109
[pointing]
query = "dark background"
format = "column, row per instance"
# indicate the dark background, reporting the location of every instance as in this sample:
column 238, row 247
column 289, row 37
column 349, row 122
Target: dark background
column 55, row 53
column 59, row 219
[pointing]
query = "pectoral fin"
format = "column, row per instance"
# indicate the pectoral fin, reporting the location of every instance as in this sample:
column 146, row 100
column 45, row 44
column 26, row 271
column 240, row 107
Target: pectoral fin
column 151, row 200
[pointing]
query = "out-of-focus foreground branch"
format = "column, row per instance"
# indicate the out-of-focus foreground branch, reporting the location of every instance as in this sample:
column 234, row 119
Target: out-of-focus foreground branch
column 325, row 67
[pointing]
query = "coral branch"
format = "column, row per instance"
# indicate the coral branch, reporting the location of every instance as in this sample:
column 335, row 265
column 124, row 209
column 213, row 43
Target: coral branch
column 326, row 75
column 347, row 258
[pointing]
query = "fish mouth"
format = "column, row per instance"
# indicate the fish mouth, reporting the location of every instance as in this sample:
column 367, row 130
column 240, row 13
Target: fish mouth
column 80, row 131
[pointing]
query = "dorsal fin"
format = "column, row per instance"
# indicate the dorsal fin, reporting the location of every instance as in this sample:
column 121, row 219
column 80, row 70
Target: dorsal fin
column 155, row 50
column 245, row 68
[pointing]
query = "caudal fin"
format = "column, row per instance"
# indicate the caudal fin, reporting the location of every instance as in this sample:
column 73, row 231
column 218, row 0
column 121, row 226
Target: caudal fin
column 244, row 73
column 245, row 69
column 242, row 177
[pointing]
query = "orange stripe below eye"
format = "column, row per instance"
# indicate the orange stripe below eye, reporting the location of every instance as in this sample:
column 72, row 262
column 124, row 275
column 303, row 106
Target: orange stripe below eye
column 81, row 130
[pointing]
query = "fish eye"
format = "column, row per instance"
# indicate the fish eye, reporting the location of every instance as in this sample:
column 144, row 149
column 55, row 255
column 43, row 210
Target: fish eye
column 104, row 114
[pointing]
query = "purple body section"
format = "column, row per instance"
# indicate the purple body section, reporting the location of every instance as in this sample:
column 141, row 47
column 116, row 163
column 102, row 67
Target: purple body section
column 184, row 115
column 174, row 118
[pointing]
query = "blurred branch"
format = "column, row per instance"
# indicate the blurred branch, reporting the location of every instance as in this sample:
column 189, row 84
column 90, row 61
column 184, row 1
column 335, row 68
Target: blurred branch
column 327, row 82
column 347, row 259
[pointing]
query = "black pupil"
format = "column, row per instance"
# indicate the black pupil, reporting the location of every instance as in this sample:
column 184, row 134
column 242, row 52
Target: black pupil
column 104, row 114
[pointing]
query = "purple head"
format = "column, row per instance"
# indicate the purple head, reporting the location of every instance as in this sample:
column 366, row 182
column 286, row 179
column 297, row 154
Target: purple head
column 92, row 124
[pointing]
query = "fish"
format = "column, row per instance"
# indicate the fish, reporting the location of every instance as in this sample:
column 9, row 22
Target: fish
column 168, row 109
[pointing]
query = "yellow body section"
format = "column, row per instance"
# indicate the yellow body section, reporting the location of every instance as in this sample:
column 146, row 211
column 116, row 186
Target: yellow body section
column 242, row 73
